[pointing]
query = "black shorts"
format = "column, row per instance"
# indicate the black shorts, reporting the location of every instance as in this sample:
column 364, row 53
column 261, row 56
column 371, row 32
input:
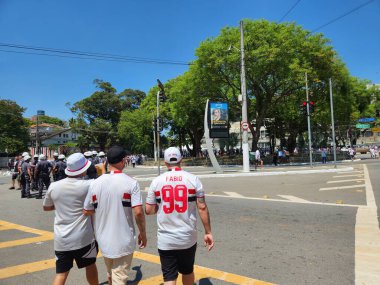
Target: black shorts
column 174, row 261
column 84, row 257
column 14, row 176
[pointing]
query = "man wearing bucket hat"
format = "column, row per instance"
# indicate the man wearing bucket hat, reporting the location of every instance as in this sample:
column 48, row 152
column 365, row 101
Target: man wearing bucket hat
column 176, row 196
column 115, row 199
column 73, row 233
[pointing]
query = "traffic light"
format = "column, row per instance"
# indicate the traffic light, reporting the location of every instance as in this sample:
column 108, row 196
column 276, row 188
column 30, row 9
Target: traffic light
column 377, row 113
column 311, row 107
column 162, row 96
column 303, row 108
column 160, row 124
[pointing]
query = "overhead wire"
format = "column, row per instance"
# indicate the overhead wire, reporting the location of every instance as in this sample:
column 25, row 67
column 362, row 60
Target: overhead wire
column 45, row 51
column 343, row 15
column 288, row 12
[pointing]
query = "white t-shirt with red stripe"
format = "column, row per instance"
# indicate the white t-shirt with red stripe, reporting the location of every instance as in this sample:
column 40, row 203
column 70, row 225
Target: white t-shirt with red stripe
column 113, row 196
column 176, row 192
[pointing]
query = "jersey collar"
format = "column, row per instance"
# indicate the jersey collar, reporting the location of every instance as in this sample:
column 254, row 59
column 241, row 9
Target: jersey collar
column 176, row 169
column 115, row 172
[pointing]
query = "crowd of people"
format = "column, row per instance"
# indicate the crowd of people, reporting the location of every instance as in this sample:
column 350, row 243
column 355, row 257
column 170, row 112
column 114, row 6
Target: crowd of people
column 100, row 213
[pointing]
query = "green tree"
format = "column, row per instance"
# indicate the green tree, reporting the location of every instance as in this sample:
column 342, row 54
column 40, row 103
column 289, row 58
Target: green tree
column 98, row 115
column 51, row 120
column 14, row 129
column 277, row 58
column 135, row 131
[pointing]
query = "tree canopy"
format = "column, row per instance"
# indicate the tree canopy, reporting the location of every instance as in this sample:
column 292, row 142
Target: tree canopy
column 14, row 132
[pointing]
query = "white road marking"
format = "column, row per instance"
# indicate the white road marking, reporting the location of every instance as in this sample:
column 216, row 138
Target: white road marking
column 367, row 239
column 234, row 194
column 293, row 198
column 348, row 180
column 352, row 171
column 353, row 175
column 341, row 187
column 283, row 201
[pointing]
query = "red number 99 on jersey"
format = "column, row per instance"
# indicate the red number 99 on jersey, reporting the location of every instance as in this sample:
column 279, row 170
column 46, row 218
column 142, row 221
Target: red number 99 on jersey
column 174, row 198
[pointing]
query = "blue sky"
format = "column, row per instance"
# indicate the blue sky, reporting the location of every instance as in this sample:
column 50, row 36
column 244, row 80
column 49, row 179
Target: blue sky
column 167, row 29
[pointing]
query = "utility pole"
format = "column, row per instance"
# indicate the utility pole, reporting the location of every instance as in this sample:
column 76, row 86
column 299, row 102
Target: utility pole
column 158, row 131
column 332, row 122
column 308, row 121
column 244, row 102
column 37, row 146
column 154, row 137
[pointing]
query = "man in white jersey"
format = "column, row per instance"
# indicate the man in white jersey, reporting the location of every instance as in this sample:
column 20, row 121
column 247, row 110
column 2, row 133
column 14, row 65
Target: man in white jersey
column 176, row 196
column 73, row 233
column 114, row 199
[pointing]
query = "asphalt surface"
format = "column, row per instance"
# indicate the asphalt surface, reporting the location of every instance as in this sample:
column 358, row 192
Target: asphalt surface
column 281, row 228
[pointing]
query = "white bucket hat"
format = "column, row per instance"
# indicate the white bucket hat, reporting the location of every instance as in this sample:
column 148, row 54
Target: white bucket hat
column 24, row 153
column 42, row 157
column 61, row 156
column 88, row 154
column 76, row 164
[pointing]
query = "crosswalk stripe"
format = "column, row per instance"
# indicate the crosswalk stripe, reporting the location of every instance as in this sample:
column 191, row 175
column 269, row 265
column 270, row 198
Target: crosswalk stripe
column 234, row 194
column 293, row 198
column 348, row 180
column 341, row 187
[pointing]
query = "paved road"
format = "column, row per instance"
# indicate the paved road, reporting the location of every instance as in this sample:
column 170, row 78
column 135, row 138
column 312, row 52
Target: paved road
column 295, row 227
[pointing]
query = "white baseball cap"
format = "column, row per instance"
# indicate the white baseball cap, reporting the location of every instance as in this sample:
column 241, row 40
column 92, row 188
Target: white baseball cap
column 26, row 157
column 61, row 156
column 35, row 156
column 76, row 164
column 24, row 153
column 172, row 155
column 55, row 154
column 94, row 152
column 42, row 157
column 101, row 153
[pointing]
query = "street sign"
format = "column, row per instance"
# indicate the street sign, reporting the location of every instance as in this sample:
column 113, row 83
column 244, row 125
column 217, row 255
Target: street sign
column 363, row 126
column 376, row 130
column 366, row 120
column 245, row 125
column 40, row 113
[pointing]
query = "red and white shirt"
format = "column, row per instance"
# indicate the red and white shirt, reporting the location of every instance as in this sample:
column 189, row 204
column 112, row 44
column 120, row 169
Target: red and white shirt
column 176, row 192
column 113, row 196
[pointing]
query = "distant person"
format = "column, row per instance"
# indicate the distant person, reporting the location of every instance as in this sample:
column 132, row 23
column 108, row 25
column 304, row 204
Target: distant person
column 115, row 200
column 53, row 163
column 324, row 156
column 59, row 168
column 25, row 178
column 91, row 172
column 176, row 196
column 15, row 173
column 73, row 233
column 42, row 174
column 258, row 160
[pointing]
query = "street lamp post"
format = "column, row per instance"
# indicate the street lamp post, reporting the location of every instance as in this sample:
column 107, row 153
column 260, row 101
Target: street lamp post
column 244, row 102
column 160, row 96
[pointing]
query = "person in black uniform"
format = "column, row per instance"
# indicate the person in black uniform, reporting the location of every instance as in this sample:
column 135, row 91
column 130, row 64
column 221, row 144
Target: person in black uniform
column 91, row 171
column 25, row 177
column 53, row 163
column 59, row 168
column 42, row 174
column 32, row 166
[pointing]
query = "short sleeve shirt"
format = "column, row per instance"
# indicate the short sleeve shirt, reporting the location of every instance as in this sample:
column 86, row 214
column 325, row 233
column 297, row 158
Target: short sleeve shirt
column 176, row 192
column 113, row 196
column 257, row 155
column 72, row 229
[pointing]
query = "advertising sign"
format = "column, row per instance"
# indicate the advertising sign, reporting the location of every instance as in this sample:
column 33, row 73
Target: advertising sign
column 363, row 126
column 366, row 120
column 376, row 130
column 218, row 120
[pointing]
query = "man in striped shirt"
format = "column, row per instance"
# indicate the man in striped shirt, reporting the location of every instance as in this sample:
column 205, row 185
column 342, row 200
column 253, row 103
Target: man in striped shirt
column 115, row 200
column 176, row 196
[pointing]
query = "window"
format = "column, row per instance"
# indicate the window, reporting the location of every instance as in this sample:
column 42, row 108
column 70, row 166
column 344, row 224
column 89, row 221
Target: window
column 368, row 134
column 59, row 135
